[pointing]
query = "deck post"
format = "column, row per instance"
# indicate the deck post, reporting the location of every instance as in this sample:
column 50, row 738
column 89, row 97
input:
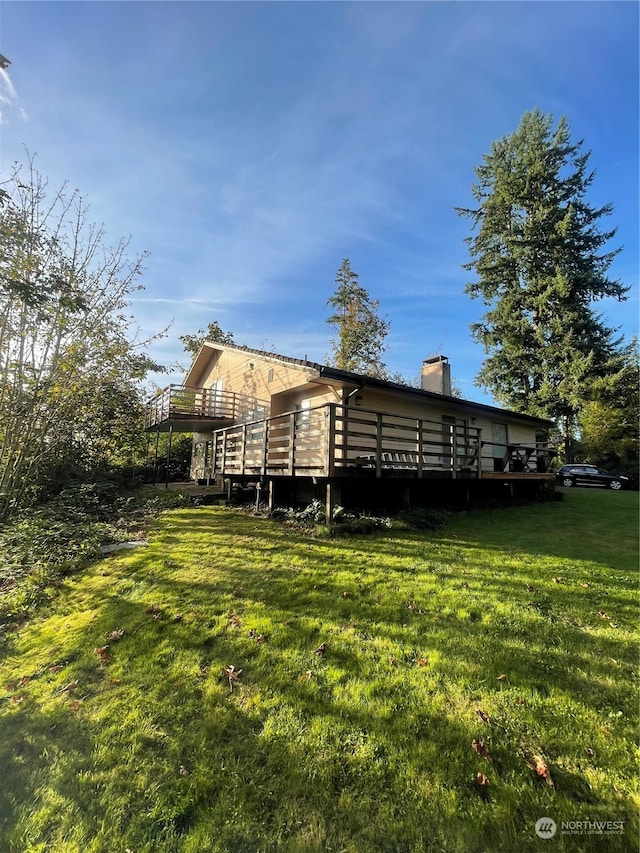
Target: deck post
column 452, row 449
column 272, row 493
column 332, row 496
column 292, row 444
column 155, row 461
column 224, row 452
column 265, row 447
column 479, row 454
column 166, row 481
column 331, row 441
column 243, row 455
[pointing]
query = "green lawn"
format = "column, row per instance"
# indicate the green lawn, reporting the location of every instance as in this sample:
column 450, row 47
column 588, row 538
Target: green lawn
column 515, row 629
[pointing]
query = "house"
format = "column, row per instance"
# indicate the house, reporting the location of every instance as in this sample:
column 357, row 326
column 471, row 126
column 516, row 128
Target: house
column 298, row 430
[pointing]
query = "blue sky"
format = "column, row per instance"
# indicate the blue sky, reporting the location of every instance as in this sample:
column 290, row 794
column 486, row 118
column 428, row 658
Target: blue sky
column 251, row 147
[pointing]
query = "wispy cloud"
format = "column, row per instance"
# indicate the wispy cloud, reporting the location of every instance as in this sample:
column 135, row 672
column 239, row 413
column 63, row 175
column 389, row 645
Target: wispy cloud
column 9, row 101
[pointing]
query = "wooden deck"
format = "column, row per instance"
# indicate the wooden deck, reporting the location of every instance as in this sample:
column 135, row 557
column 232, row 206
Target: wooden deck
column 335, row 441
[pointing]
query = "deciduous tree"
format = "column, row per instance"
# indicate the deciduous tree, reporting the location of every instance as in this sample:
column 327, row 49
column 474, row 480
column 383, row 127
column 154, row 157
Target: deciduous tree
column 213, row 333
column 70, row 366
column 608, row 421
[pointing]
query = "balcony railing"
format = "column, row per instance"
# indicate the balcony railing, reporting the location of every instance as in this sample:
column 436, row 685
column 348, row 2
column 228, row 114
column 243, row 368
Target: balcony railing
column 326, row 440
column 193, row 406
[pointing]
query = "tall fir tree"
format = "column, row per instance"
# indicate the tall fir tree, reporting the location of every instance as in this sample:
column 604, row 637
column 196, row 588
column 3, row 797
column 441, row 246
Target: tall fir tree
column 359, row 343
column 541, row 262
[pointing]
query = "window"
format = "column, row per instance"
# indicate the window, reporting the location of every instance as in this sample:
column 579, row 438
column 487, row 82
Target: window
column 499, row 439
column 270, row 374
column 304, row 414
column 454, row 437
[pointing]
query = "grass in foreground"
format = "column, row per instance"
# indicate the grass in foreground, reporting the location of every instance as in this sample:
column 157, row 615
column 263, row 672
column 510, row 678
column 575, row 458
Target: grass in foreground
column 369, row 667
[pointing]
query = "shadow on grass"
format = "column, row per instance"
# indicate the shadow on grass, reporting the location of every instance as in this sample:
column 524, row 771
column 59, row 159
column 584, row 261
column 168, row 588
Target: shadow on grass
column 368, row 744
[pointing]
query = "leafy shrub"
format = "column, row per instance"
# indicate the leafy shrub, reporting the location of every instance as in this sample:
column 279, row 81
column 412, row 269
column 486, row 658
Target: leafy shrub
column 421, row 518
column 66, row 534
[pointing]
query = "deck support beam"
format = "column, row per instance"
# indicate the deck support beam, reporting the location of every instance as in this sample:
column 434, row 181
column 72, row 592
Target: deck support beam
column 166, row 481
column 155, row 460
column 332, row 498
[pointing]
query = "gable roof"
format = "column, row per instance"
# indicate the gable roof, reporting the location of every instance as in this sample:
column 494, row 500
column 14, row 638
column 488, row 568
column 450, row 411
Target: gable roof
column 325, row 373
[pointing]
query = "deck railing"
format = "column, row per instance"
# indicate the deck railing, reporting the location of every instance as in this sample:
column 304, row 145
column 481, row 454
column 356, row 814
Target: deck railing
column 180, row 402
column 325, row 440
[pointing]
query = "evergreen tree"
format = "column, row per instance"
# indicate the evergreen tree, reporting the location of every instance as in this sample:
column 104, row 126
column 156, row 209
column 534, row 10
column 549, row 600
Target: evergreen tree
column 541, row 262
column 359, row 344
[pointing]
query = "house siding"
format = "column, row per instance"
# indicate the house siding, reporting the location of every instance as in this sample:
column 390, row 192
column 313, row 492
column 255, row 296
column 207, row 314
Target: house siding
column 253, row 375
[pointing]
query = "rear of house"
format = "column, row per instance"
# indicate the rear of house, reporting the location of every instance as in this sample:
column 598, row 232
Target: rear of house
column 300, row 429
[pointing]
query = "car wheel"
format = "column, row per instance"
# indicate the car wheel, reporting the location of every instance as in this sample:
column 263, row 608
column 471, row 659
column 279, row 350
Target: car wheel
column 567, row 481
column 616, row 485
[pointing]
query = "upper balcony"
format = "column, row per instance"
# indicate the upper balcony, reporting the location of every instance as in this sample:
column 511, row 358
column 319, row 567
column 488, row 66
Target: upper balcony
column 184, row 409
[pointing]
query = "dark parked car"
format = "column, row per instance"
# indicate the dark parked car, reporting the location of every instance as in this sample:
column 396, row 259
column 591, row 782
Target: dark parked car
column 590, row 475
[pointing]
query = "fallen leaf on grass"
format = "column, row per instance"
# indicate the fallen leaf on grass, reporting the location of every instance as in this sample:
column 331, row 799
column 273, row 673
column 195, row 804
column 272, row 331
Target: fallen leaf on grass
column 603, row 615
column 17, row 699
column 482, row 750
column 557, row 580
column 307, row 676
column 589, row 751
column 68, row 688
column 345, row 594
column 585, row 584
column 232, row 674
column 183, row 771
column 103, row 654
column 541, row 770
column 422, row 661
column 484, row 717
column 115, row 635
column 259, row 638
column 482, row 780
column 74, row 705
column 54, row 669
column 502, row 678
column 322, row 648
column 234, row 621
column 24, row 680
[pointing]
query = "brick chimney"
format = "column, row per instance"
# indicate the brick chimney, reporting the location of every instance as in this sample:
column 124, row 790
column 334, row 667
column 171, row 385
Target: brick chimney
column 436, row 375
